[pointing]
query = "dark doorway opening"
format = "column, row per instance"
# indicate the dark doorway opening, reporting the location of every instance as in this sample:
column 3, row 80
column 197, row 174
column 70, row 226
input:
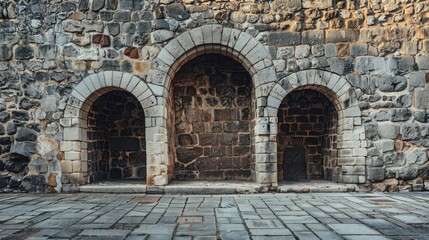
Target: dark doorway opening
column 307, row 136
column 116, row 138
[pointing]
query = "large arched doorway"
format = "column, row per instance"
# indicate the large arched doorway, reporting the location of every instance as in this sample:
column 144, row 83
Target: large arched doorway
column 307, row 136
column 210, row 117
column 116, row 138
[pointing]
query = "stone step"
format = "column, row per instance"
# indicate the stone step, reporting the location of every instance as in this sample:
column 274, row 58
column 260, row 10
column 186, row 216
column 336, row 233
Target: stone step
column 114, row 187
column 315, row 187
column 209, row 187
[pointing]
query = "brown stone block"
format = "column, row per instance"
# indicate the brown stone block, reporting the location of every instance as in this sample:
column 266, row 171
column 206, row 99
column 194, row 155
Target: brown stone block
column 198, row 115
column 207, row 139
column 52, row 179
column 228, row 139
column 206, row 163
column 187, row 139
column 132, row 52
column 224, row 163
column 343, row 50
column 226, row 115
column 241, row 150
column 101, row 39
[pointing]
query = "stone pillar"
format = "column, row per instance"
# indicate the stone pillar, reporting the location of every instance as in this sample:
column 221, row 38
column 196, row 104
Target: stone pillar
column 266, row 151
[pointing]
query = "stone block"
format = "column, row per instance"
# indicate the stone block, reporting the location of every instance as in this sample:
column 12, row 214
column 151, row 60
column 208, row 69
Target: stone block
column 410, row 131
column 388, row 130
column 160, row 36
column 375, row 173
column 283, row 38
column 418, row 156
column 409, row 48
column 422, row 97
column 302, row 51
column 23, row 52
column 313, row 37
column 132, row 5
column 122, row 16
column 358, row 49
column 392, row 83
column 422, row 62
column 319, row 4
column 48, row 52
column 407, row 173
column 341, row 65
column 400, row 114
column 337, row 36
column 177, row 11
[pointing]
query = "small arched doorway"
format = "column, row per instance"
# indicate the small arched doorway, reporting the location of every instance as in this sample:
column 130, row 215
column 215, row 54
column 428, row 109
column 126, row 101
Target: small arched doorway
column 116, row 138
column 210, row 118
column 307, row 136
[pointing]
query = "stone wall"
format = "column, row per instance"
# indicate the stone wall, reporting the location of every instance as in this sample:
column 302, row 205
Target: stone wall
column 373, row 56
column 212, row 113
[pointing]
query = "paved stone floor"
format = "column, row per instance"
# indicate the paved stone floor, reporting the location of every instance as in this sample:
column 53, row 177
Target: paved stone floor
column 200, row 217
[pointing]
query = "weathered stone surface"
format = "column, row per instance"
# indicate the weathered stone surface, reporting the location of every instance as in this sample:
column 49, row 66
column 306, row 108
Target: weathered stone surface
column 388, row 130
column 392, row 83
column 34, row 183
column 102, row 40
column 283, row 38
column 24, row 149
column 24, row 52
column 160, row 36
column 410, row 131
column 177, row 11
column 400, row 114
column 26, row 134
column 422, row 97
column 186, row 155
column 5, row 52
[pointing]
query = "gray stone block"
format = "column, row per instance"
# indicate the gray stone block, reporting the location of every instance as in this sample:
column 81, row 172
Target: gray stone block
column 407, row 173
column 422, row 62
column 388, row 130
column 313, row 37
column 375, row 173
column 392, row 83
column 336, row 36
column 419, row 156
column 410, row 131
column 160, row 36
column 358, row 49
column 122, row 16
column 48, row 51
column 330, row 50
column 283, row 38
column 24, row 52
column 5, row 52
column 133, row 5
column 177, row 11
column 341, row 65
column 400, row 114
column 422, row 97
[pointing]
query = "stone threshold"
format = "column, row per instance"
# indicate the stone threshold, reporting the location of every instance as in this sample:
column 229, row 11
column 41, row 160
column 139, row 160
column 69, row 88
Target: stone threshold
column 315, row 186
column 129, row 186
column 212, row 187
column 215, row 187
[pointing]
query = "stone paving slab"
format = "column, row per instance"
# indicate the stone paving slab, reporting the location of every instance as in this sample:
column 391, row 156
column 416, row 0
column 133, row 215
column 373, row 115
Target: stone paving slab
column 270, row 216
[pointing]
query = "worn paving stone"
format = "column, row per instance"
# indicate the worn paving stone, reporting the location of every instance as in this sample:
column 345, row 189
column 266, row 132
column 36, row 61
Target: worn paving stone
column 353, row 229
column 275, row 216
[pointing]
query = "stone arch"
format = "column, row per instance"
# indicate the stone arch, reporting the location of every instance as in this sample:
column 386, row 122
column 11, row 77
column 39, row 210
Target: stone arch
column 351, row 143
column 74, row 121
column 214, row 39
